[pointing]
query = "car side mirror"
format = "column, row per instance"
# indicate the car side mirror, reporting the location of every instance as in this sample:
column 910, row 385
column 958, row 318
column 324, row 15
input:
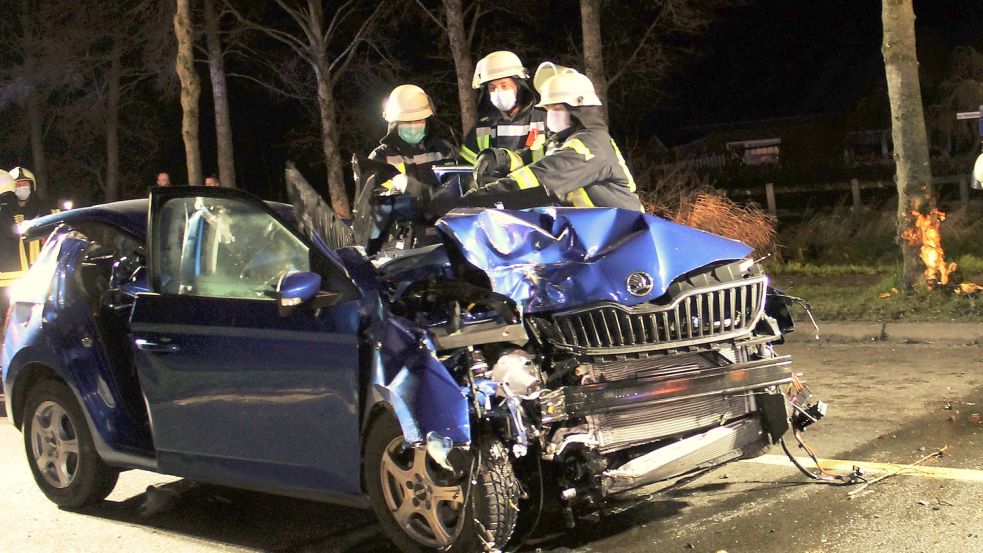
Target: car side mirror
column 296, row 289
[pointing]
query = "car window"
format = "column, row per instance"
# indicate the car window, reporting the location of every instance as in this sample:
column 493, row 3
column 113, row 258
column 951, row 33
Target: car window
column 223, row 247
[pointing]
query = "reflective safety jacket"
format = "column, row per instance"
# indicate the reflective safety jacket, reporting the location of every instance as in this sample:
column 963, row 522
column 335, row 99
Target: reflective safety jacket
column 16, row 255
column 583, row 167
column 416, row 161
column 525, row 131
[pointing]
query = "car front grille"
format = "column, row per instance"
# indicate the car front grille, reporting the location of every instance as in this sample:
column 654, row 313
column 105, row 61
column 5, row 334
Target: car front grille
column 698, row 316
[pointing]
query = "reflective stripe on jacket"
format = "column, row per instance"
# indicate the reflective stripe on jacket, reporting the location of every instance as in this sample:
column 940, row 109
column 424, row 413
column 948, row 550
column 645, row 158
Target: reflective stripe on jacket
column 414, row 160
column 526, row 130
column 586, row 169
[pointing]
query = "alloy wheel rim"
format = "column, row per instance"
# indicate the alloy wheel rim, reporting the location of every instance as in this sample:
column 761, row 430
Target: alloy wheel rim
column 54, row 445
column 419, row 496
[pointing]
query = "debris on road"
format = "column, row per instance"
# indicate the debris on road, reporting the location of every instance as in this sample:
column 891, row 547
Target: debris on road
column 865, row 485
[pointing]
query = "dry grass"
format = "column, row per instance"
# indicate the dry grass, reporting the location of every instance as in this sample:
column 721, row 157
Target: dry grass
column 868, row 237
column 686, row 198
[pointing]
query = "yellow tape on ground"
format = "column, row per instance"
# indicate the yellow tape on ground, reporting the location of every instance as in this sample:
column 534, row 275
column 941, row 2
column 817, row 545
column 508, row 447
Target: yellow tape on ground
column 945, row 473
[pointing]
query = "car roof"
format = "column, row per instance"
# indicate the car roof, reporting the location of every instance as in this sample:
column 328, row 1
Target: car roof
column 129, row 216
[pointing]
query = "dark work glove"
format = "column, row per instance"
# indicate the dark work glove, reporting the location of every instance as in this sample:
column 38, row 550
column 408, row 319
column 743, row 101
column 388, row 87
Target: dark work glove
column 491, row 164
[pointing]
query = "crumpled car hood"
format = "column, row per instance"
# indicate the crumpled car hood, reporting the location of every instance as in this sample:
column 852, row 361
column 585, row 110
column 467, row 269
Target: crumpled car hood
column 555, row 258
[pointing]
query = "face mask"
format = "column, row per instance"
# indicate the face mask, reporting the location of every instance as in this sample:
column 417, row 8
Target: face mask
column 557, row 120
column 22, row 193
column 503, row 99
column 412, row 133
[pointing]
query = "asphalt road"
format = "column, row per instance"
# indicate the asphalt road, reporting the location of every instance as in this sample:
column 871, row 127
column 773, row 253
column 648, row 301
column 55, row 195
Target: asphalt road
column 889, row 403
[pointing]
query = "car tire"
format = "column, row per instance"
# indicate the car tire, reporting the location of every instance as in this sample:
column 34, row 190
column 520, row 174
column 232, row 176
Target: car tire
column 60, row 449
column 489, row 516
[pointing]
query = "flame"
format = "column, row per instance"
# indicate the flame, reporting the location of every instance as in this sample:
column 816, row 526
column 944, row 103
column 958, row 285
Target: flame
column 925, row 233
column 969, row 288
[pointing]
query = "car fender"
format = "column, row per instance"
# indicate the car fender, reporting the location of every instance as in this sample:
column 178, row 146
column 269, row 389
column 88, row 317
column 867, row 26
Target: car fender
column 407, row 377
column 100, row 428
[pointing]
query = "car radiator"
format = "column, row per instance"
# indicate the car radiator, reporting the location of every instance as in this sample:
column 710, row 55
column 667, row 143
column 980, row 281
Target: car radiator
column 625, row 428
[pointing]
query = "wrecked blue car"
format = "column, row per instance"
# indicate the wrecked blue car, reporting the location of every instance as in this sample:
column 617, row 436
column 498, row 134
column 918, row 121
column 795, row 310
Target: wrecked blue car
column 549, row 356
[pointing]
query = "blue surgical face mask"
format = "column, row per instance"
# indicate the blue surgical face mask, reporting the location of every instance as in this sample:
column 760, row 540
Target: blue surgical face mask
column 412, row 133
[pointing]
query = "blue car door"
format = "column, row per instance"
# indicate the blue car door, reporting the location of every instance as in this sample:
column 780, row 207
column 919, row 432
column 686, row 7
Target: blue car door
column 239, row 393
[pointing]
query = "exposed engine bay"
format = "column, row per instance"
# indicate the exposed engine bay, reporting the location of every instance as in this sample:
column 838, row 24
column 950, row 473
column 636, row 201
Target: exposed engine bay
column 610, row 398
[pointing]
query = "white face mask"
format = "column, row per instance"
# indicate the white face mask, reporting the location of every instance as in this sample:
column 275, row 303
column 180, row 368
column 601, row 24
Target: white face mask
column 22, row 193
column 557, row 120
column 503, row 99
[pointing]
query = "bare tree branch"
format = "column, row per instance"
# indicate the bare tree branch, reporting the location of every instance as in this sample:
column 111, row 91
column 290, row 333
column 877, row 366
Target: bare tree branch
column 301, row 22
column 431, row 15
column 641, row 44
column 478, row 12
column 345, row 57
column 339, row 17
column 287, row 39
column 270, row 87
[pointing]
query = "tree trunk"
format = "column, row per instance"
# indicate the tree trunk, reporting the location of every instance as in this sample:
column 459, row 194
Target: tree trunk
column 36, row 122
column 216, row 68
column 112, row 129
column 35, row 119
column 590, row 23
column 914, row 172
column 329, row 139
column 463, row 66
column 190, row 89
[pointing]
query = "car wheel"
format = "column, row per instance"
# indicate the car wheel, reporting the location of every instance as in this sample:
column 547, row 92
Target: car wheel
column 421, row 506
column 60, row 449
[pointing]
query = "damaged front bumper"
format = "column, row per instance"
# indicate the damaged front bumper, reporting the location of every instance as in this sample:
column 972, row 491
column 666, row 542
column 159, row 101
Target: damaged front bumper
column 708, row 449
column 673, row 425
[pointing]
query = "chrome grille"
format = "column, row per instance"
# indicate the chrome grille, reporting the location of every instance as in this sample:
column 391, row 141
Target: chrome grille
column 698, row 316
column 630, row 427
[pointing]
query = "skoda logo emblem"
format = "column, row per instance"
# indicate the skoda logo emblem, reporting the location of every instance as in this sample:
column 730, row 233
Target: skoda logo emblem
column 640, row 283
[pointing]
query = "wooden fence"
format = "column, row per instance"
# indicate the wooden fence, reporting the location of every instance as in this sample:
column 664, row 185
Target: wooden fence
column 855, row 186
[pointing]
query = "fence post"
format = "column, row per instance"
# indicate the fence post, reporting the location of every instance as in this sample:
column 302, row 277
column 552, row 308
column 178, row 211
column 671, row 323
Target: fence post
column 855, row 188
column 770, row 195
column 964, row 190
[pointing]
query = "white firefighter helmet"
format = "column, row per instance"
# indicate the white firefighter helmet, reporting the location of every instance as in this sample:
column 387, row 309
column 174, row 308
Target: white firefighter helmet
column 7, row 183
column 407, row 102
column 498, row 65
column 978, row 173
column 20, row 173
column 546, row 70
column 570, row 88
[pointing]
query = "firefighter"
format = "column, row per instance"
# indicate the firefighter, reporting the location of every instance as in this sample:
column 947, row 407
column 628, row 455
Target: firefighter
column 9, row 239
column 28, row 206
column 24, row 206
column 583, row 166
column 510, row 119
column 411, row 144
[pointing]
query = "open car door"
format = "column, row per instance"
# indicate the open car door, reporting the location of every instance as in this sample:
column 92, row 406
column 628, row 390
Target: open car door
column 239, row 393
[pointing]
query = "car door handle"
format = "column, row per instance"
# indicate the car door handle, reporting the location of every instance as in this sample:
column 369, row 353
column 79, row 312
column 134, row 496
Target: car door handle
column 147, row 345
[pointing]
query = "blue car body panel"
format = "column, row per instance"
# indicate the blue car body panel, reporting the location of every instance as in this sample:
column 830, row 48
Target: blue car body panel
column 270, row 400
column 554, row 258
column 407, row 375
column 240, row 394
column 53, row 327
column 129, row 216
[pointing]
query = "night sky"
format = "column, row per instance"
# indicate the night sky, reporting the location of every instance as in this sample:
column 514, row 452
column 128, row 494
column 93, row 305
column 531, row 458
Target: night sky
column 758, row 59
column 780, row 58
column 761, row 59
